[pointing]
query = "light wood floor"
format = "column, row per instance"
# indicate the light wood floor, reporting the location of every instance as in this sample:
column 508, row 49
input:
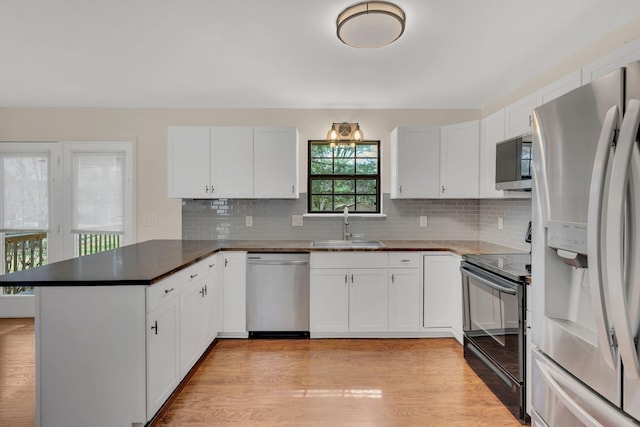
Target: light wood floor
column 17, row 373
column 419, row 382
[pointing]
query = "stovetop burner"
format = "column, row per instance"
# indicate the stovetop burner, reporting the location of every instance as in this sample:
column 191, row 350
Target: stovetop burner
column 513, row 266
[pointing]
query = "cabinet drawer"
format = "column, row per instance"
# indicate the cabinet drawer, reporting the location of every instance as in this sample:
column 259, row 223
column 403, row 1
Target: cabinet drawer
column 199, row 270
column 404, row 260
column 162, row 291
column 349, row 260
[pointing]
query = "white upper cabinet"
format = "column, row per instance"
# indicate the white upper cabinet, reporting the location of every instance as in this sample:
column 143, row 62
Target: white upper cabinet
column 630, row 52
column 518, row 116
column 189, row 162
column 275, row 164
column 459, row 165
column 232, row 162
column 559, row 87
column 492, row 132
column 415, row 163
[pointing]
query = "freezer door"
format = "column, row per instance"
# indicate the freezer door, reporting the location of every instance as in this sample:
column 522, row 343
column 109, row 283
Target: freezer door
column 561, row 400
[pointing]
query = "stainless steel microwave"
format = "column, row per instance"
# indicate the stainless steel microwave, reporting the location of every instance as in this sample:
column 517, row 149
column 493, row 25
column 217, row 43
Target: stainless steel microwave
column 513, row 164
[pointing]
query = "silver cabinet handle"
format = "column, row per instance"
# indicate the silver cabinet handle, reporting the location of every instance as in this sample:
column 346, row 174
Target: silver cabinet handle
column 346, row 278
column 352, row 278
column 393, row 278
column 405, row 260
column 166, row 291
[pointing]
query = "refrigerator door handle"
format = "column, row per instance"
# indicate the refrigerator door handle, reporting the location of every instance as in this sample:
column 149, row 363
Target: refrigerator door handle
column 633, row 267
column 548, row 374
column 618, row 185
column 596, row 252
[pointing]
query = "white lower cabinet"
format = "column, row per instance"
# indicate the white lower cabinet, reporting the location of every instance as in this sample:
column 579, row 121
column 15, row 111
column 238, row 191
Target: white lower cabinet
column 234, row 294
column 442, row 293
column 163, row 373
column 368, row 300
column 349, row 292
column 404, row 292
column 198, row 311
column 329, row 300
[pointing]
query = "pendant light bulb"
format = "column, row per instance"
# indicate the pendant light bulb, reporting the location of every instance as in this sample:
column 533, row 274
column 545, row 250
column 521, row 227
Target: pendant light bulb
column 357, row 134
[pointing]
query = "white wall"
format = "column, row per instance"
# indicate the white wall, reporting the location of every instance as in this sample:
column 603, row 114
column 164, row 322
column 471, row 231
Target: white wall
column 148, row 129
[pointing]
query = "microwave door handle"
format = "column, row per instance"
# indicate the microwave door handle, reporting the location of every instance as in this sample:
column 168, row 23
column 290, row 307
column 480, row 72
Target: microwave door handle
column 595, row 250
column 489, row 283
column 613, row 239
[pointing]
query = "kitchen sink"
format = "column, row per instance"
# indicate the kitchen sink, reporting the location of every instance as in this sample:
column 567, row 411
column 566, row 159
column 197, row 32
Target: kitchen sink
column 348, row 244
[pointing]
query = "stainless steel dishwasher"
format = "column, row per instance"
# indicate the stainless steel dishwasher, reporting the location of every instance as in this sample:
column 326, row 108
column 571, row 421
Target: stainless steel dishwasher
column 278, row 295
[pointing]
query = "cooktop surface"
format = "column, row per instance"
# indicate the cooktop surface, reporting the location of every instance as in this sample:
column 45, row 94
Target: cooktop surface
column 513, row 266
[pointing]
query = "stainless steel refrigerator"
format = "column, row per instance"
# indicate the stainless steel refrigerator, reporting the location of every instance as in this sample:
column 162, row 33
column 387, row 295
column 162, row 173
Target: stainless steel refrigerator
column 586, row 255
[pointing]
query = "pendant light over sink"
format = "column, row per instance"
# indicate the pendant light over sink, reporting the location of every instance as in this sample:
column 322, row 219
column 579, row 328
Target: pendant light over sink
column 349, row 132
column 370, row 24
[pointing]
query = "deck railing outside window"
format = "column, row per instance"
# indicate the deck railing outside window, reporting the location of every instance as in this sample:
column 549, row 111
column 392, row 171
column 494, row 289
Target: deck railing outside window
column 27, row 250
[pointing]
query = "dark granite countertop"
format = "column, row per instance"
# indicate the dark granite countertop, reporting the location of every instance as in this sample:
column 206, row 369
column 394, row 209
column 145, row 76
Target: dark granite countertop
column 147, row 262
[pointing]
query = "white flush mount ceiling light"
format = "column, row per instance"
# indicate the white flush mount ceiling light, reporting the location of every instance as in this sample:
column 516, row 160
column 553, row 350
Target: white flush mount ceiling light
column 370, row 24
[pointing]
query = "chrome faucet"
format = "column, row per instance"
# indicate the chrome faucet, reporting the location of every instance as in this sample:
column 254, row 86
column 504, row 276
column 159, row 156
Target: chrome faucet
column 345, row 227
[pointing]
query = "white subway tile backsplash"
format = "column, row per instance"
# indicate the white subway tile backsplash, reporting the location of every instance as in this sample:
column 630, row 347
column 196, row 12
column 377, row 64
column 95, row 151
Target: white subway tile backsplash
column 462, row 219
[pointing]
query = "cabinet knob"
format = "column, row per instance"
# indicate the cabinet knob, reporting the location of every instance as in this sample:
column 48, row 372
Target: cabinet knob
column 166, row 291
column 194, row 275
column 212, row 265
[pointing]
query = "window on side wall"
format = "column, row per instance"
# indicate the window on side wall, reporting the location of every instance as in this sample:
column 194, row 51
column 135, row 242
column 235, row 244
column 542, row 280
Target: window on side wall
column 343, row 174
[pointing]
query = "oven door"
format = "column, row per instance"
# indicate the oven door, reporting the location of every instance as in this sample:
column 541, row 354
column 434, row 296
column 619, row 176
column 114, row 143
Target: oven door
column 493, row 317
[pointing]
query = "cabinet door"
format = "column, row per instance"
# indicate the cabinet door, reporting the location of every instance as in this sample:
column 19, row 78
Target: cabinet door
column 559, row 87
column 415, row 163
column 442, row 308
column 368, row 300
column 234, row 292
column 275, row 168
column 189, row 162
column 232, row 162
column 518, row 116
column 492, row 130
column 208, row 312
column 621, row 57
column 162, row 354
column 329, row 300
column 460, row 160
column 404, row 299
column 190, row 345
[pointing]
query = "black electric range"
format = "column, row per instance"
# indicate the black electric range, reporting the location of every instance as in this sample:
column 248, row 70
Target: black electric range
column 516, row 267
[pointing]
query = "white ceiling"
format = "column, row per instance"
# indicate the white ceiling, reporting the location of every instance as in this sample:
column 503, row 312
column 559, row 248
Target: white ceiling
column 284, row 53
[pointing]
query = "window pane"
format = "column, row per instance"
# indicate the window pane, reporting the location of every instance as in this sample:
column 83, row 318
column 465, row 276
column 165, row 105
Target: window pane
column 366, row 166
column 98, row 192
column 367, row 150
column 322, row 186
column 344, row 167
column 344, row 151
column 344, row 201
column 321, row 167
column 321, row 150
column 321, row 203
column 344, row 186
column 366, row 204
column 25, row 191
column 366, row 186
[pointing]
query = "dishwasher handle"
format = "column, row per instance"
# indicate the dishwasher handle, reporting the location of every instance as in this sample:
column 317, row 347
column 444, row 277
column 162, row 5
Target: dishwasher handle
column 258, row 261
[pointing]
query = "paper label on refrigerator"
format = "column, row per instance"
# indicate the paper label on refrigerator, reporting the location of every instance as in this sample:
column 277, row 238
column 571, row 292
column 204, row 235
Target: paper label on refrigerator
column 568, row 236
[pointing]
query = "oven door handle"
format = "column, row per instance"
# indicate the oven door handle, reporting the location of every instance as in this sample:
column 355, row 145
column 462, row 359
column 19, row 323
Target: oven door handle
column 489, row 283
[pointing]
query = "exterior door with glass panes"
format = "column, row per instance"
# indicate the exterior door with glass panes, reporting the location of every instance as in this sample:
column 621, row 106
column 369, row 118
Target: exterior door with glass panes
column 28, row 172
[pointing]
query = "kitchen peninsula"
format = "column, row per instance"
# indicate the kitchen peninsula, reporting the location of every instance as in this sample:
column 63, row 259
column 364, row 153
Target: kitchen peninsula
column 117, row 331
